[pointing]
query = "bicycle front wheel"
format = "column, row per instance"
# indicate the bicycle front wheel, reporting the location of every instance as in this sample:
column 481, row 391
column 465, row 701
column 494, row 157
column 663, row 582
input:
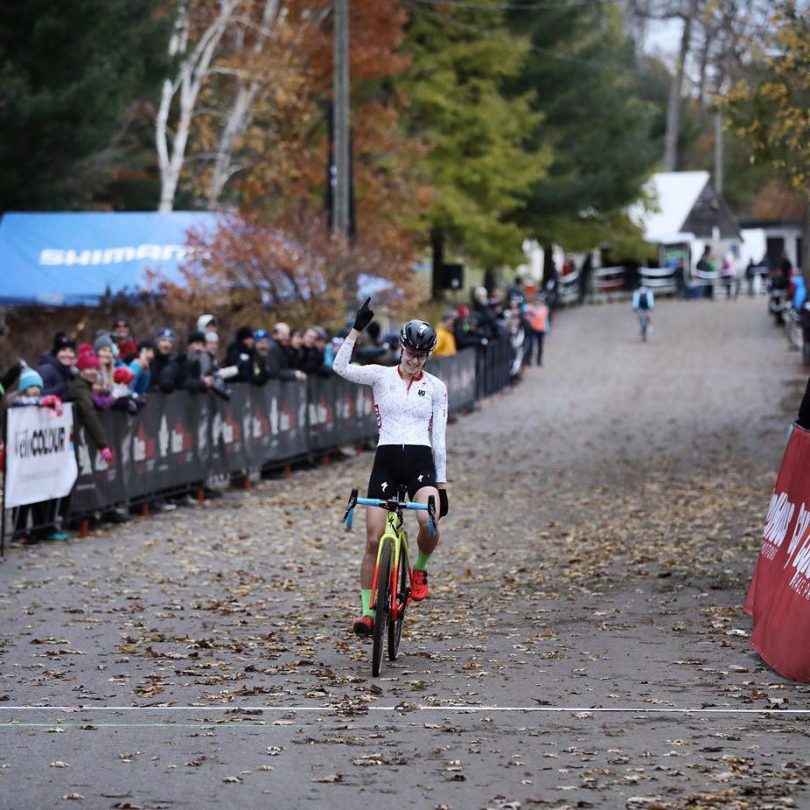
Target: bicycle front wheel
column 382, row 607
column 400, row 596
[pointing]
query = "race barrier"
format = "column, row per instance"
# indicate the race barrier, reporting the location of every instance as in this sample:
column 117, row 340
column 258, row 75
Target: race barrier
column 779, row 594
column 40, row 456
column 180, row 441
column 661, row 280
column 608, row 280
column 568, row 288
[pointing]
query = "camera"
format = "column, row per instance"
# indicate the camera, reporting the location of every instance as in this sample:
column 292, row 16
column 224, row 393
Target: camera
column 219, row 388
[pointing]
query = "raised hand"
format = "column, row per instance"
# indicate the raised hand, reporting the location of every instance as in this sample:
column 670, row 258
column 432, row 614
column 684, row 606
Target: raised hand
column 364, row 316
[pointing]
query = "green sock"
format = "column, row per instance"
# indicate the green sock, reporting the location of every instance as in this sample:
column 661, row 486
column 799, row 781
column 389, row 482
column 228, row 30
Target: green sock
column 365, row 596
column 421, row 561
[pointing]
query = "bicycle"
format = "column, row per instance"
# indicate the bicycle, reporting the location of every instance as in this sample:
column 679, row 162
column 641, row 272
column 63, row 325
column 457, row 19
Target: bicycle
column 644, row 323
column 390, row 588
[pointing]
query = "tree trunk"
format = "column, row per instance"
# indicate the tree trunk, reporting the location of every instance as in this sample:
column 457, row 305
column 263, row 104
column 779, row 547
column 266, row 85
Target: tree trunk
column 241, row 112
column 704, row 66
column 437, row 274
column 191, row 73
column 675, row 93
column 490, row 280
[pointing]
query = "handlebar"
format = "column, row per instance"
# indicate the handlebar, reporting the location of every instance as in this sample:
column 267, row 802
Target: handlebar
column 392, row 505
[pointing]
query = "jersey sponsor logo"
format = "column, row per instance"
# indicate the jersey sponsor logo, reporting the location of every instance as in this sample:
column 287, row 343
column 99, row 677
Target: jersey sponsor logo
column 384, row 486
column 422, row 392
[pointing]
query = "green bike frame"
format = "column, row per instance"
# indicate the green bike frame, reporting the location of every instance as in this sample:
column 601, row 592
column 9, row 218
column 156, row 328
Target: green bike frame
column 396, row 535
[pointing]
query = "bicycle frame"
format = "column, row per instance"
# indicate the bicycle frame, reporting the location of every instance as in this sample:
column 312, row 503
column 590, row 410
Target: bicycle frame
column 394, row 533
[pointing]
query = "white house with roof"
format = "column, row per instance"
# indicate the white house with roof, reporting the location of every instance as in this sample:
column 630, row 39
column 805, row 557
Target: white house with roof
column 683, row 214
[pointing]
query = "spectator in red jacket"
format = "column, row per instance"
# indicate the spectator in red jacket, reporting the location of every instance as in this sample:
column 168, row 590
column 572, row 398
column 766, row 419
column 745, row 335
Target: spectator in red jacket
column 126, row 343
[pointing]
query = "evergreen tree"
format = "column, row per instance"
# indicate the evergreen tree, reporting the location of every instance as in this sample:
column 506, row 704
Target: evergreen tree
column 475, row 134
column 581, row 71
column 70, row 74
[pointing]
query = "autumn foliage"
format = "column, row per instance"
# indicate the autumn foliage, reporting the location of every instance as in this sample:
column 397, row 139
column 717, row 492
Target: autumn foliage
column 274, row 250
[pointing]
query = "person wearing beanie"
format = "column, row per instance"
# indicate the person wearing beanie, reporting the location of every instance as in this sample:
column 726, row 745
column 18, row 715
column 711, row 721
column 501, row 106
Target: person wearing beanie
column 88, row 360
column 43, row 513
column 87, row 398
column 80, row 392
column 103, row 340
column 164, row 369
column 196, row 367
column 29, row 392
column 30, row 383
column 57, row 367
column 240, row 353
column 105, row 351
column 61, row 340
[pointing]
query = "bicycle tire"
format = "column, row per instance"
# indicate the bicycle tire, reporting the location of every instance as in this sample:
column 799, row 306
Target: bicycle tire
column 401, row 595
column 382, row 608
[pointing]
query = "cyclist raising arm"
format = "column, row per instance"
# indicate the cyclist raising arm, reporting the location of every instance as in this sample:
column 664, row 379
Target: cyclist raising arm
column 411, row 408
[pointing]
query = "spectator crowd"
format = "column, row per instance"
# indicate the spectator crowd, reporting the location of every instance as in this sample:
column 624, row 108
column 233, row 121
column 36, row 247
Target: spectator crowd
column 118, row 371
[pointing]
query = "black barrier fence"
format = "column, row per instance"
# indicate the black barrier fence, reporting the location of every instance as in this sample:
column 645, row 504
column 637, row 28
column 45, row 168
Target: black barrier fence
column 182, row 440
column 493, row 368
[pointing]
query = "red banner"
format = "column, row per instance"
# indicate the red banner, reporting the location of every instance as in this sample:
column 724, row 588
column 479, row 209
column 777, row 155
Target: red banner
column 779, row 594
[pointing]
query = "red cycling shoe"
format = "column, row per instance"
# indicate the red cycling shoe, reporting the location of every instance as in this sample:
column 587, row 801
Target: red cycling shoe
column 364, row 626
column 419, row 585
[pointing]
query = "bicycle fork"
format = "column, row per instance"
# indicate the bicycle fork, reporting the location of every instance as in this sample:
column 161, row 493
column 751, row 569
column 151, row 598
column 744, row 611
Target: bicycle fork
column 391, row 535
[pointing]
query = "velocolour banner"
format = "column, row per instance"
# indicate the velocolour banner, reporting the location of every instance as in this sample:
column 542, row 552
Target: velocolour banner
column 40, row 456
column 779, row 594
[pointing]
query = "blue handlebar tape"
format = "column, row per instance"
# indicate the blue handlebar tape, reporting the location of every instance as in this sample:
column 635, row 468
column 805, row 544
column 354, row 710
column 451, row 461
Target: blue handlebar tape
column 378, row 502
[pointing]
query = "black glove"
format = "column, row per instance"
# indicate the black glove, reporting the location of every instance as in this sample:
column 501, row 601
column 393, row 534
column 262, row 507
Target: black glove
column 444, row 504
column 363, row 317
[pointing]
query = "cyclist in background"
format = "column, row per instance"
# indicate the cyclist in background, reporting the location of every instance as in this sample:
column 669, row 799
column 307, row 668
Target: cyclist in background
column 411, row 409
column 643, row 305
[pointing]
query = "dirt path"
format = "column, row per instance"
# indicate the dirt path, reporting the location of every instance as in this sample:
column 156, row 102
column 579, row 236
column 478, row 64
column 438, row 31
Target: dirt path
column 583, row 645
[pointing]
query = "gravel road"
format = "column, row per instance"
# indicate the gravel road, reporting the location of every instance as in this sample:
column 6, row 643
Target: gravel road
column 583, row 645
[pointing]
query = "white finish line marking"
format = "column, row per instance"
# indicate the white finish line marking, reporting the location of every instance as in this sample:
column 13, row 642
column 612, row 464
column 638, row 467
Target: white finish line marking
column 406, row 709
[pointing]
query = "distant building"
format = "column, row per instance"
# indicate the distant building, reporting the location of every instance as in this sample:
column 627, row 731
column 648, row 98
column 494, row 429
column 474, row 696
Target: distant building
column 687, row 215
column 766, row 239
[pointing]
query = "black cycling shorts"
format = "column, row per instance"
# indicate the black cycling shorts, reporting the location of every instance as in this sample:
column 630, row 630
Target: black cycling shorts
column 394, row 464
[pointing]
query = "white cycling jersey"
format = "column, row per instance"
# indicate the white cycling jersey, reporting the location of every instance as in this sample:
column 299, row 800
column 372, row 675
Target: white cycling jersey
column 412, row 412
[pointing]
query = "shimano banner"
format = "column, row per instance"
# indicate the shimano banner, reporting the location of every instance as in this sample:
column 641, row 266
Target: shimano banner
column 40, row 456
column 76, row 258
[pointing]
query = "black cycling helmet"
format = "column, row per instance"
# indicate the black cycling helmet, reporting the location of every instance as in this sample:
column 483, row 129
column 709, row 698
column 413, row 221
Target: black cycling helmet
column 417, row 335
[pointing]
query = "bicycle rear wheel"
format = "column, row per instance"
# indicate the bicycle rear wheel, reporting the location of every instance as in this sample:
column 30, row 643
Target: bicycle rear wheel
column 382, row 607
column 402, row 590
